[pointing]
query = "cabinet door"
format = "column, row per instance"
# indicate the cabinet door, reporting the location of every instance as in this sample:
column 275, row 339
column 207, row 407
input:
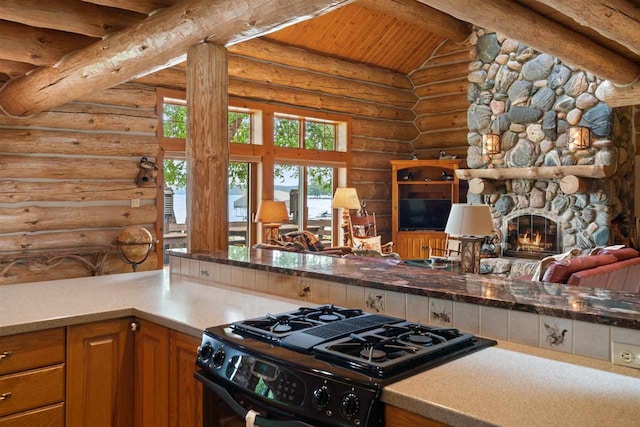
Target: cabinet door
column 151, row 388
column 100, row 374
column 415, row 245
column 185, row 396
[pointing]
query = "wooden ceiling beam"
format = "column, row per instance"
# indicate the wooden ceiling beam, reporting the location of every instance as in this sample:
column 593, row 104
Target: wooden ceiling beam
column 68, row 15
column 152, row 44
column 140, row 6
column 539, row 32
column 14, row 68
column 422, row 16
column 618, row 20
column 37, row 46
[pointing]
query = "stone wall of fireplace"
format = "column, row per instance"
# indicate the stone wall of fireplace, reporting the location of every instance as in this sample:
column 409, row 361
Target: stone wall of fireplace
column 531, row 99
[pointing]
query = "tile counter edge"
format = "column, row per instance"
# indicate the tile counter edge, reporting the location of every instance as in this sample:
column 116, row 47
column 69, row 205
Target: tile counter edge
column 577, row 303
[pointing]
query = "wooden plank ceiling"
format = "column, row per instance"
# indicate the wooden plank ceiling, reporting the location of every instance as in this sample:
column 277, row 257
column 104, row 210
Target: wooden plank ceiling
column 359, row 34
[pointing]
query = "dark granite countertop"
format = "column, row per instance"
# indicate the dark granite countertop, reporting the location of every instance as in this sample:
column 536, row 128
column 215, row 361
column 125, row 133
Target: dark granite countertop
column 587, row 304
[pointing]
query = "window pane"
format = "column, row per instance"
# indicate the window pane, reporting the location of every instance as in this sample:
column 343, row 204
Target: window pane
column 174, row 121
column 286, row 132
column 319, row 136
column 288, row 188
column 319, row 193
column 239, row 127
column 175, row 204
column 238, row 203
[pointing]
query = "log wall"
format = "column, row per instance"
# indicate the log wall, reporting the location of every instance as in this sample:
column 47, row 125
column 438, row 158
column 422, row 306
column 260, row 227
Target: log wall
column 441, row 112
column 379, row 103
column 66, row 181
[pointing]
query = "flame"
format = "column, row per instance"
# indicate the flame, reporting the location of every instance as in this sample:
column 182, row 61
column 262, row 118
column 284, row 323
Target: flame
column 531, row 242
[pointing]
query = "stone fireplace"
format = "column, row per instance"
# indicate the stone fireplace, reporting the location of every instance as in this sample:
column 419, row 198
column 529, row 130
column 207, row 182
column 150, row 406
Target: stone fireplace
column 531, row 99
column 531, row 235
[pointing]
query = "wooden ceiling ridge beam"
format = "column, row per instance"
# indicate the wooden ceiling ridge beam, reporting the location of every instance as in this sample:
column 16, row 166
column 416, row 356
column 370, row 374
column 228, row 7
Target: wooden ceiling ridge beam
column 618, row 20
column 68, row 15
column 541, row 33
column 152, row 43
column 423, row 16
column 140, row 6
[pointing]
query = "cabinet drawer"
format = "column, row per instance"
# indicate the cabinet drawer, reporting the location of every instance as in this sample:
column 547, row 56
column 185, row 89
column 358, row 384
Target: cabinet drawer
column 31, row 389
column 50, row 416
column 31, row 350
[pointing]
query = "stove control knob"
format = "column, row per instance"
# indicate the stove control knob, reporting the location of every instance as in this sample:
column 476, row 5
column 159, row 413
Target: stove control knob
column 218, row 358
column 349, row 405
column 321, row 397
column 206, row 351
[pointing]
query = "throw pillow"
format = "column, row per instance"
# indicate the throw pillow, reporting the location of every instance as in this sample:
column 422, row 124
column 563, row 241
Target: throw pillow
column 369, row 243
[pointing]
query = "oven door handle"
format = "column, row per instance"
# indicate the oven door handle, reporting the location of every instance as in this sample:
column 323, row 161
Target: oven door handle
column 240, row 411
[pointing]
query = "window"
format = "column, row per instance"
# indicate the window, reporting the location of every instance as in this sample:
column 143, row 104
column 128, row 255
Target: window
column 308, row 151
column 318, row 134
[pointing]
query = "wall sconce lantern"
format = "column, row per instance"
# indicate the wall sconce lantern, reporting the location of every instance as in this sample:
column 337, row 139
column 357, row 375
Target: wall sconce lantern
column 579, row 137
column 491, row 143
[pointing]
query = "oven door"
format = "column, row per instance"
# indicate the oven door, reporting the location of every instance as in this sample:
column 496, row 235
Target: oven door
column 225, row 408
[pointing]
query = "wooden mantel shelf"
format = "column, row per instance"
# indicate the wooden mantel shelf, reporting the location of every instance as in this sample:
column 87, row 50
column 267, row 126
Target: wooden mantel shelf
column 542, row 172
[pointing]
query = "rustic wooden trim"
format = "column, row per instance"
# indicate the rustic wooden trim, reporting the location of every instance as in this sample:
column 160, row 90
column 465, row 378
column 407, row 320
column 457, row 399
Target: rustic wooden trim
column 542, row 33
column 37, row 46
column 69, row 15
column 421, row 16
column 615, row 96
column 542, row 172
column 140, row 6
column 614, row 19
column 155, row 42
column 299, row 58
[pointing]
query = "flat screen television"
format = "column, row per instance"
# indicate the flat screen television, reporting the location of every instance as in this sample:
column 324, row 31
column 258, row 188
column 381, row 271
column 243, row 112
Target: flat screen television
column 423, row 214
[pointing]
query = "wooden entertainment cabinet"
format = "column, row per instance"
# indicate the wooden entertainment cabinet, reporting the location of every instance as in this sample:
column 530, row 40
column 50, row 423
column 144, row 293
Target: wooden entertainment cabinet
column 422, row 179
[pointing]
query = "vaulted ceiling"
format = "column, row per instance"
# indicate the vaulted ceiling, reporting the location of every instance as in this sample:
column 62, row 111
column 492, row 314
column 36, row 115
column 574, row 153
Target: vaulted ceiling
column 393, row 34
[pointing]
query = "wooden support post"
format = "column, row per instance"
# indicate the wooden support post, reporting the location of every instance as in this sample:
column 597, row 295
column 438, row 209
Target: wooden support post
column 572, row 184
column 207, row 148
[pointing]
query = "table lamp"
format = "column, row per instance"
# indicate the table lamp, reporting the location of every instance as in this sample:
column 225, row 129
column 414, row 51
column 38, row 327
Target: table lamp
column 271, row 214
column 345, row 198
column 470, row 224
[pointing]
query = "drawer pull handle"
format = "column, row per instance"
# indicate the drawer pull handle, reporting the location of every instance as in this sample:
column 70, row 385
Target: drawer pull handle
column 5, row 354
column 5, row 396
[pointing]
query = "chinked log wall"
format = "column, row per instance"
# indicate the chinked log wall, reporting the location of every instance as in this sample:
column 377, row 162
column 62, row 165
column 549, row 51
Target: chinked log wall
column 379, row 103
column 67, row 177
column 441, row 87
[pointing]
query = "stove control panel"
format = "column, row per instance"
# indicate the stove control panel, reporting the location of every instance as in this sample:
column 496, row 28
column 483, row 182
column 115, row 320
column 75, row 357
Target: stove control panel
column 312, row 395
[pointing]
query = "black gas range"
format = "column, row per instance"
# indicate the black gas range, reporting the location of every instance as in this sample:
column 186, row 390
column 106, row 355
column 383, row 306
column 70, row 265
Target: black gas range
column 320, row 366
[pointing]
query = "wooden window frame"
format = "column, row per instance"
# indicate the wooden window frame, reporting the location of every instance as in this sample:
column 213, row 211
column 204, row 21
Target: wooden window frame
column 263, row 156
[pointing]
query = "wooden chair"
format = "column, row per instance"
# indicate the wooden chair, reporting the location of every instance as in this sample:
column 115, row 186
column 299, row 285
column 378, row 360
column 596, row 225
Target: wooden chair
column 451, row 250
column 364, row 234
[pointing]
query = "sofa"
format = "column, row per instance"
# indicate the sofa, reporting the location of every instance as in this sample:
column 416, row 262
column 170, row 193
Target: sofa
column 617, row 270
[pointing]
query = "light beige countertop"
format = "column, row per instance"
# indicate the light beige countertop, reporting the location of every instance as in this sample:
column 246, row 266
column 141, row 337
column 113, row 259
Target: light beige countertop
column 505, row 385
column 179, row 304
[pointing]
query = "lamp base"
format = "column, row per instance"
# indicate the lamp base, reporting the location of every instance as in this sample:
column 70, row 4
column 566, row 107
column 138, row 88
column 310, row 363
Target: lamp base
column 271, row 232
column 346, row 233
column 470, row 254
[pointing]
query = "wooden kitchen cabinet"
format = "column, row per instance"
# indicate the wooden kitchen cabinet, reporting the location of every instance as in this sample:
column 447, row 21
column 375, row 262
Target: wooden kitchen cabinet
column 32, row 379
column 416, row 244
column 185, row 393
column 151, row 389
column 396, row 417
column 100, row 374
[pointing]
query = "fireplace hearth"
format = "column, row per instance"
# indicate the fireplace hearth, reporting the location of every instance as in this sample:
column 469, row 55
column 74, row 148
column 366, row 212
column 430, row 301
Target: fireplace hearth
column 531, row 236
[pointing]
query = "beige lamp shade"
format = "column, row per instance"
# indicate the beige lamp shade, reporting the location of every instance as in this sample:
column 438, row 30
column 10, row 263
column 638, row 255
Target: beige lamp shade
column 469, row 220
column 270, row 211
column 345, row 198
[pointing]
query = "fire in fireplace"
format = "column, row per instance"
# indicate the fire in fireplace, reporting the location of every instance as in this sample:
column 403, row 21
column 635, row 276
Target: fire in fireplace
column 531, row 236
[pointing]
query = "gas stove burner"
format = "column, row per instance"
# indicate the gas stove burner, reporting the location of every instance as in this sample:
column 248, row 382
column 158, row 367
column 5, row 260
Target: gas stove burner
column 420, row 339
column 328, row 313
column 329, row 317
column 281, row 327
column 373, row 354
